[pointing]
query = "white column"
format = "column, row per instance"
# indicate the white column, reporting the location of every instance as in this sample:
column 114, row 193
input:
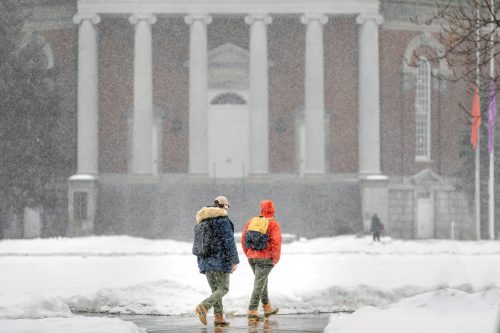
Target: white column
column 369, row 95
column 259, row 102
column 142, row 129
column 88, row 95
column 198, row 94
column 314, row 105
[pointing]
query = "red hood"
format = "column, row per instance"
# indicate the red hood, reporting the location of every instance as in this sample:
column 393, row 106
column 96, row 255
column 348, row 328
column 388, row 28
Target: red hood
column 267, row 208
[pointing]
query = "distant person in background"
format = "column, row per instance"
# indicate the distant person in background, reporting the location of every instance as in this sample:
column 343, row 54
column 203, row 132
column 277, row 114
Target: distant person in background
column 376, row 228
column 261, row 242
column 219, row 261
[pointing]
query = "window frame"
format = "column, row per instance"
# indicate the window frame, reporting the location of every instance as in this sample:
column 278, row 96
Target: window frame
column 423, row 107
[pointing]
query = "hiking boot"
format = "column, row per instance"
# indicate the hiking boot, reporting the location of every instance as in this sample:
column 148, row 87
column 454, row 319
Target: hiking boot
column 202, row 310
column 219, row 320
column 253, row 315
column 269, row 310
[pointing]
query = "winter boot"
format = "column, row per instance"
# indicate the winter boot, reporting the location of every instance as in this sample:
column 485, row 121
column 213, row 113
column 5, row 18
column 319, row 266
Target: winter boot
column 269, row 310
column 253, row 315
column 202, row 310
column 219, row 320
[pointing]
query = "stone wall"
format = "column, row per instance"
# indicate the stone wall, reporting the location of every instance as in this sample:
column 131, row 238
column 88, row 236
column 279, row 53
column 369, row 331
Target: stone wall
column 452, row 207
column 165, row 207
column 401, row 214
column 449, row 207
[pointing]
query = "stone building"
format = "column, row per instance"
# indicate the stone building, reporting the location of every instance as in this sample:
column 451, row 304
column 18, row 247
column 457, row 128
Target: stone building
column 334, row 109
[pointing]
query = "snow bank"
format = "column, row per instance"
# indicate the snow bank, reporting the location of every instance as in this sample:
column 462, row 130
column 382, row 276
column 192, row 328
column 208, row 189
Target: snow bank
column 36, row 308
column 365, row 245
column 126, row 245
column 170, row 298
column 50, row 279
column 101, row 246
column 447, row 310
column 164, row 297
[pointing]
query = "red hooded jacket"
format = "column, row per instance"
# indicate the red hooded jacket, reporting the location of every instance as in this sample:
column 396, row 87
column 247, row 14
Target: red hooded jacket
column 273, row 247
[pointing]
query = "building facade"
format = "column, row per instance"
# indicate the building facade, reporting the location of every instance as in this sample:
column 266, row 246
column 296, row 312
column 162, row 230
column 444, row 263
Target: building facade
column 334, row 109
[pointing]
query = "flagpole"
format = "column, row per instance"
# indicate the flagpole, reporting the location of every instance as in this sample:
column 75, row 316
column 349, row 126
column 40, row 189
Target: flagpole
column 477, row 202
column 491, row 183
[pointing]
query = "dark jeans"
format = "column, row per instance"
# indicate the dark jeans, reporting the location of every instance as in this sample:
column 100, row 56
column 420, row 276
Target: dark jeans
column 219, row 283
column 376, row 236
column 261, row 269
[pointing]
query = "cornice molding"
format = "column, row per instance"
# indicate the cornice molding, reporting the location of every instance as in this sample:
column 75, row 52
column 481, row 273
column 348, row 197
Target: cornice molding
column 247, row 7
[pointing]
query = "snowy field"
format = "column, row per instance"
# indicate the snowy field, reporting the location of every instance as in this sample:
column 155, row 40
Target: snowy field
column 393, row 286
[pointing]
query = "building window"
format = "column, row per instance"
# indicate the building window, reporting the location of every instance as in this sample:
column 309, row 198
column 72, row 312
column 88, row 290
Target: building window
column 423, row 111
column 228, row 98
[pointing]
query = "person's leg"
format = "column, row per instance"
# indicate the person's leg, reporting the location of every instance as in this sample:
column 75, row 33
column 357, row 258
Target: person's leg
column 220, row 281
column 219, row 320
column 268, row 308
column 264, row 298
column 261, row 270
column 213, row 282
column 203, row 307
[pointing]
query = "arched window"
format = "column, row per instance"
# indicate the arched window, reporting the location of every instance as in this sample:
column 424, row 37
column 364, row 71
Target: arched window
column 228, row 98
column 423, row 110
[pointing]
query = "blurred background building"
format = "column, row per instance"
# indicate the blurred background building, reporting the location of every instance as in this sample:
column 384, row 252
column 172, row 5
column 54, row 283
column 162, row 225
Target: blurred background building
column 334, row 109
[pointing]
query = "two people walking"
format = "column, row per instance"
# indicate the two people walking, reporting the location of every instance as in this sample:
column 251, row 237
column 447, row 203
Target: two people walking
column 217, row 256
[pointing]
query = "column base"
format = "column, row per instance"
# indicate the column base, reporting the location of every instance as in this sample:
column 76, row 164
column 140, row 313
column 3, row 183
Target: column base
column 82, row 205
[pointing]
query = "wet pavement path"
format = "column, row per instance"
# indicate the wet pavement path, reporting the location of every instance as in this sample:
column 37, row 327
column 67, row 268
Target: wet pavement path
column 305, row 323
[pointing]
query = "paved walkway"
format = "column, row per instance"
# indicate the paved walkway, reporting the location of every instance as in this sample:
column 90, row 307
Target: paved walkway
column 307, row 323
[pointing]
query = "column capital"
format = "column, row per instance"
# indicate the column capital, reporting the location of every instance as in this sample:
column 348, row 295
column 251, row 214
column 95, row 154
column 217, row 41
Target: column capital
column 307, row 18
column 149, row 18
column 362, row 18
column 250, row 19
column 191, row 18
column 93, row 18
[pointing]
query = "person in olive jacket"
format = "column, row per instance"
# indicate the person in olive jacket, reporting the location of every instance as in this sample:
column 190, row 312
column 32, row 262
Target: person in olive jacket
column 221, row 262
column 261, row 243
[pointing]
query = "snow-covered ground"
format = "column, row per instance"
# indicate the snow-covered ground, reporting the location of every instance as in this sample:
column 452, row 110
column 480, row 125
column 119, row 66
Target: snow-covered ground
column 393, row 286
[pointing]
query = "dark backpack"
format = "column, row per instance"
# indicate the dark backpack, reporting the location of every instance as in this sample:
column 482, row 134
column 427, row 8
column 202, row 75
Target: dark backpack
column 203, row 237
column 256, row 237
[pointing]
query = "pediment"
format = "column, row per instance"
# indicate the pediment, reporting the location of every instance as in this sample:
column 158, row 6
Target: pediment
column 228, row 55
column 228, row 67
column 426, row 176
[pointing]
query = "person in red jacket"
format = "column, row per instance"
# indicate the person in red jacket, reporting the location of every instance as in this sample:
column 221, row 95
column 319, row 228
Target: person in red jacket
column 261, row 242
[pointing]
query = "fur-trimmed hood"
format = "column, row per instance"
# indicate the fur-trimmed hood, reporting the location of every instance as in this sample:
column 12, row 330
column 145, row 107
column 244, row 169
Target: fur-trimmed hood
column 209, row 212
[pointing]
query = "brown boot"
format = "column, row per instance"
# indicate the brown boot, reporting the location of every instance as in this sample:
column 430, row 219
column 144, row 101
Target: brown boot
column 219, row 320
column 269, row 310
column 202, row 310
column 253, row 315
